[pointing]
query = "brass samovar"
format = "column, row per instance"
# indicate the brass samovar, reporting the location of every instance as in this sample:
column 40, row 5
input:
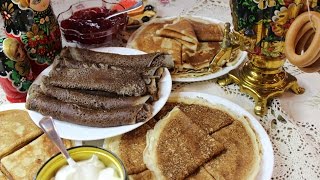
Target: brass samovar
column 259, row 27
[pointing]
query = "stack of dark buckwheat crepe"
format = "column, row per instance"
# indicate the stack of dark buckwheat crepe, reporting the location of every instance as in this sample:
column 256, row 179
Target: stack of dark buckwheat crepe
column 99, row 89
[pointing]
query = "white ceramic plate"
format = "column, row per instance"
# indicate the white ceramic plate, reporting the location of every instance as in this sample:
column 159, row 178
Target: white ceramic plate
column 78, row 132
column 240, row 58
column 267, row 160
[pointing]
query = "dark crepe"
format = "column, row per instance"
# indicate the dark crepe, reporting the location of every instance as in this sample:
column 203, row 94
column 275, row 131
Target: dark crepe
column 136, row 61
column 88, row 100
column 64, row 62
column 84, row 116
column 122, row 82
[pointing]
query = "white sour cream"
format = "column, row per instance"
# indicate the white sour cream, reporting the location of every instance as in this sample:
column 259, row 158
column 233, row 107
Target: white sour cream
column 91, row 169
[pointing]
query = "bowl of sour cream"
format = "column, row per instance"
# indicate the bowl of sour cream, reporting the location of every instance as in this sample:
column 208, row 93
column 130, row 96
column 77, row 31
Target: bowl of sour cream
column 92, row 163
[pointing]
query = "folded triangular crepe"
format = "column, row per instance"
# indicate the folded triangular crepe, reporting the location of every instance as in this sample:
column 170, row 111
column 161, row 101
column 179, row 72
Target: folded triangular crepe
column 142, row 39
column 206, row 31
column 202, row 57
column 24, row 163
column 129, row 147
column 205, row 115
column 170, row 46
column 145, row 39
column 181, row 30
column 242, row 156
column 17, row 130
column 176, row 147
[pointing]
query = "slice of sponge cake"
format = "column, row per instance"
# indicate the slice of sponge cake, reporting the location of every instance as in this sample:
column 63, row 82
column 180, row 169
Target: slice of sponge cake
column 24, row 163
column 17, row 130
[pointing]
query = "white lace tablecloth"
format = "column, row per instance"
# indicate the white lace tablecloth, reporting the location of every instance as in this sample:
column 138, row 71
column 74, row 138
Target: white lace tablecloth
column 292, row 121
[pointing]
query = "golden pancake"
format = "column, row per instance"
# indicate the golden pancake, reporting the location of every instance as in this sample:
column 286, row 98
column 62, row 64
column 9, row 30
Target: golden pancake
column 206, row 31
column 17, row 129
column 208, row 117
column 242, row 156
column 146, row 40
column 192, row 42
column 169, row 46
column 202, row 57
column 181, row 30
column 24, row 163
column 143, row 38
column 176, row 147
column 129, row 147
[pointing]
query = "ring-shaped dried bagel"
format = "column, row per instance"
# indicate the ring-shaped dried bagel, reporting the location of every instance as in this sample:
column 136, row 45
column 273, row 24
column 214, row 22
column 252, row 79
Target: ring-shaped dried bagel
column 312, row 68
column 314, row 59
column 301, row 44
column 310, row 54
column 309, row 41
column 305, row 29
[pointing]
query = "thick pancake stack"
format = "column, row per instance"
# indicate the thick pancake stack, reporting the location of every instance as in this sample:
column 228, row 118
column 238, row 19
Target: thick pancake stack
column 190, row 139
column 192, row 42
column 99, row 89
column 23, row 148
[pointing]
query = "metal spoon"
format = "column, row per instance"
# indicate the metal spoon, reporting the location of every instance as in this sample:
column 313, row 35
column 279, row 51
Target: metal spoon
column 47, row 125
column 132, row 8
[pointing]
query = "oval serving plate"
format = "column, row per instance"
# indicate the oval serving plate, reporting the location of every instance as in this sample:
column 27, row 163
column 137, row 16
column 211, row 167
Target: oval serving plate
column 241, row 56
column 78, row 132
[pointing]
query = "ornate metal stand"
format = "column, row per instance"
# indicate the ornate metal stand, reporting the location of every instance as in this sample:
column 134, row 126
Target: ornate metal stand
column 262, row 84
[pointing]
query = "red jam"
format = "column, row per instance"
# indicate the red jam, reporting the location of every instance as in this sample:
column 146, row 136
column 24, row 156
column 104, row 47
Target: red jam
column 89, row 26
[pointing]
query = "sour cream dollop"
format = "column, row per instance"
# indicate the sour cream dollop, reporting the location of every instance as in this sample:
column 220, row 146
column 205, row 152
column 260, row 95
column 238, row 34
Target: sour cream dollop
column 91, row 169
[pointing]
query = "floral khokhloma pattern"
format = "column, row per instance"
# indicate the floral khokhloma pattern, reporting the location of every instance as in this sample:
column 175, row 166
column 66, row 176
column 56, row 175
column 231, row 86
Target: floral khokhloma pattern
column 273, row 17
column 43, row 41
column 35, row 24
column 15, row 19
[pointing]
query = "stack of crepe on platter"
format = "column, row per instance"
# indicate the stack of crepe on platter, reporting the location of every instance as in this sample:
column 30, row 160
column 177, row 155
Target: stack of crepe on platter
column 190, row 139
column 192, row 42
column 23, row 148
column 99, row 89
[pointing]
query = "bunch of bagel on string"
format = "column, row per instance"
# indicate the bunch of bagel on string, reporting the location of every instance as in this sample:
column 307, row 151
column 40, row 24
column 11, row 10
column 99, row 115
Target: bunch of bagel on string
column 302, row 44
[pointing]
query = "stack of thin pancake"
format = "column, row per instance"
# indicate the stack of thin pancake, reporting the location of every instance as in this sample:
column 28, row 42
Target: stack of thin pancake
column 23, row 148
column 193, row 42
column 189, row 139
column 99, row 89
